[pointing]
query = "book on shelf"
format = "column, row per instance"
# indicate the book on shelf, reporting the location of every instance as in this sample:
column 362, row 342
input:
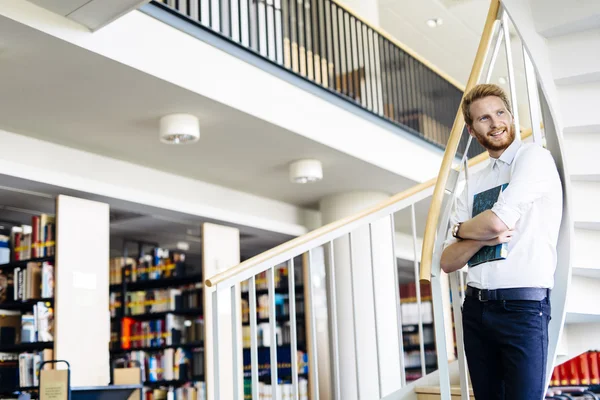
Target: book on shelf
column 32, row 327
column 281, row 278
column 35, row 280
column 22, row 370
column 139, row 302
column 284, row 362
column 173, row 364
column 192, row 391
column 35, row 240
column 483, row 201
column 581, row 370
column 170, row 331
column 161, row 264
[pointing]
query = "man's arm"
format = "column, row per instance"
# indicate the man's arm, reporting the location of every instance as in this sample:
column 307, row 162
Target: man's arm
column 484, row 226
column 458, row 254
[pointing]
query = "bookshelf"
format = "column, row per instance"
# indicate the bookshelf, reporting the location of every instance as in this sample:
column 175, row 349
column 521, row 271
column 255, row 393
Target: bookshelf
column 27, row 260
column 157, row 319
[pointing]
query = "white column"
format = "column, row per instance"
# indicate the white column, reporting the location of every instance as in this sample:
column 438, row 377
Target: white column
column 367, row 338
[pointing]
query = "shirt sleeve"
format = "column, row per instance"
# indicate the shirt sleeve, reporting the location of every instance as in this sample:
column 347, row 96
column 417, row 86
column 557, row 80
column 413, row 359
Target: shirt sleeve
column 460, row 213
column 534, row 176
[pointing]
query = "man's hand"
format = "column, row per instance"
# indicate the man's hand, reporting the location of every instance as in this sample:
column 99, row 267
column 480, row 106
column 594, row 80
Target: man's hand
column 504, row 237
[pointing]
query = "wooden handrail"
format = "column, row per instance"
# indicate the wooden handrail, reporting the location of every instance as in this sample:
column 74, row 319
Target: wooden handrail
column 401, row 45
column 452, row 146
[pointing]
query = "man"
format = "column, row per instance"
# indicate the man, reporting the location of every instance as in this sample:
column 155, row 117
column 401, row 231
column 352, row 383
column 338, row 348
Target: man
column 507, row 307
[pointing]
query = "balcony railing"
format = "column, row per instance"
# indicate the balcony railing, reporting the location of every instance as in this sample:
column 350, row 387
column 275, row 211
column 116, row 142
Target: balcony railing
column 327, row 45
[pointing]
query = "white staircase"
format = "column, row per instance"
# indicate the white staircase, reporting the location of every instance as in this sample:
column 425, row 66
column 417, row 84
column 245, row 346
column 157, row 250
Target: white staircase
column 573, row 44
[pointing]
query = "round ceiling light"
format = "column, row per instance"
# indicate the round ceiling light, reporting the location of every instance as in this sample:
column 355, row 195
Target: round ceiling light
column 179, row 129
column 434, row 22
column 306, row 171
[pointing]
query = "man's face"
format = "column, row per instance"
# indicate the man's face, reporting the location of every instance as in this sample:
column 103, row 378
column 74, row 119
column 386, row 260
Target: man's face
column 492, row 124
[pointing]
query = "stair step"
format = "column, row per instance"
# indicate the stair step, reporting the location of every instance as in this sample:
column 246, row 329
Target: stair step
column 579, row 104
column 585, row 256
column 586, row 212
column 553, row 18
column 572, row 60
column 581, row 151
column 583, row 297
column 433, row 392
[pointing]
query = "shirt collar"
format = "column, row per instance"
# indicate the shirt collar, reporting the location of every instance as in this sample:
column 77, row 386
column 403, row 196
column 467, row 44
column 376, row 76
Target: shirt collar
column 509, row 154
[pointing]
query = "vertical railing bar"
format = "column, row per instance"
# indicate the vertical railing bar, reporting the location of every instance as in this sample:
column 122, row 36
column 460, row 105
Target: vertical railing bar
column 367, row 56
column 210, row 23
column 313, row 369
column 273, row 328
column 511, row 74
column 534, row 101
column 375, row 311
column 294, row 38
column 385, row 78
column 359, row 55
column 235, row 342
column 306, row 36
column 199, row 5
column 253, row 337
column 293, row 333
column 387, row 72
column 275, row 32
column 220, row 17
column 333, row 334
column 343, row 89
column 462, row 361
column 257, row 21
column 336, row 53
column 376, row 64
column 413, row 88
column 267, row 37
column 398, row 305
column 418, row 287
column 215, row 332
column 349, row 89
column 330, row 43
column 239, row 12
column 316, row 33
column 394, row 88
column 249, row 21
column 401, row 79
column 497, row 45
column 229, row 10
column 355, row 69
column 371, row 68
column 353, row 293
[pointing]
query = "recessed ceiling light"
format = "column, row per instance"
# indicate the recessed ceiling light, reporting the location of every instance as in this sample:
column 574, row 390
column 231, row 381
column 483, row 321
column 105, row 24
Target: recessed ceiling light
column 502, row 80
column 434, row 22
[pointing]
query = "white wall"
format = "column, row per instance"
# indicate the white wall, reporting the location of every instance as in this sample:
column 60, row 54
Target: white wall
column 36, row 160
column 148, row 45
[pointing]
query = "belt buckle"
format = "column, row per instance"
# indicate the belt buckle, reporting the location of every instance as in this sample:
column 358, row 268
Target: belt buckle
column 482, row 298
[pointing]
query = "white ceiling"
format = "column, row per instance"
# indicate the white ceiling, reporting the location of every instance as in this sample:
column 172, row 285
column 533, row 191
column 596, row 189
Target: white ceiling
column 58, row 92
column 452, row 46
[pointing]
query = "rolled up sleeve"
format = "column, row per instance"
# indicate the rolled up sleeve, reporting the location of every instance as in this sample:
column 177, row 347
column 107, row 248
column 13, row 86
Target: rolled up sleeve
column 534, row 176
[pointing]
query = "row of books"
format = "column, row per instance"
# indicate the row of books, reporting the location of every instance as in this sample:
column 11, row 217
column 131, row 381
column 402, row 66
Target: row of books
column 282, row 307
column 263, row 335
column 281, row 278
column 162, row 263
column 581, row 370
column 27, row 328
column 21, row 370
column 284, row 362
column 284, row 390
column 34, row 281
column 170, row 364
column 409, row 313
column 159, row 300
column 412, row 359
column 408, row 292
column 196, row 391
column 33, row 241
column 172, row 330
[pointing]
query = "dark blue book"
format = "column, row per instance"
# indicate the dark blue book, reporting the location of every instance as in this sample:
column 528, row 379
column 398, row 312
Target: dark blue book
column 484, row 201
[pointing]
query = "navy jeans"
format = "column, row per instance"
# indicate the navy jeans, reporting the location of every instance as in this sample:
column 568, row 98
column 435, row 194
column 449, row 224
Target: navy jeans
column 506, row 343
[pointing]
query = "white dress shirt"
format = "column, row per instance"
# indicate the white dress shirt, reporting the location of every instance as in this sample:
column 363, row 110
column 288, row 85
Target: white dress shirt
column 531, row 204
